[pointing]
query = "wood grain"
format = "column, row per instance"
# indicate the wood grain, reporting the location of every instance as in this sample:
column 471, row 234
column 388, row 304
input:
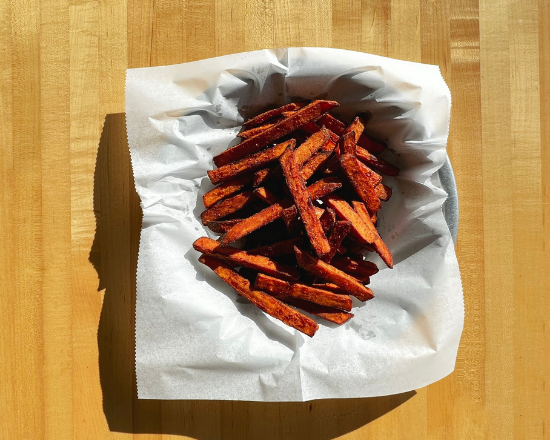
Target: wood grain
column 71, row 218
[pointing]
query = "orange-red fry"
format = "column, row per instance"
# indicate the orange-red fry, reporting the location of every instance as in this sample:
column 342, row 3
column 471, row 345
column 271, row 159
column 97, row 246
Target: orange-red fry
column 252, row 223
column 378, row 244
column 225, row 189
column 383, row 192
column 303, row 202
column 226, row 207
column 260, row 299
column 208, row 246
column 327, row 313
column 324, row 270
column 310, row 146
column 358, row 227
column 250, row 163
column 285, row 247
column 359, row 181
column 282, row 289
column 288, row 125
column 257, row 120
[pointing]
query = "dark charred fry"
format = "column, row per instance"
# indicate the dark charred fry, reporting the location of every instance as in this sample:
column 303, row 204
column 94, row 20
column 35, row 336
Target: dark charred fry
column 263, row 301
column 339, row 232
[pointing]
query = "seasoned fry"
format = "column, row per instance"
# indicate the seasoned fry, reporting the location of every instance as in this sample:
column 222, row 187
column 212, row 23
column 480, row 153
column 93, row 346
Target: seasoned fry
column 250, row 163
column 226, row 207
column 358, row 227
column 257, row 262
column 272, row 113
column 285, row 247
column 339, row 232
column 378, row 244
column 264, row 302
column 282, row 289
column 327, row 313
column 310, row 146
column 350, row 165
column 303, row 202
column 266, row 196
column 376, row 162
column 221, row 226
column 383, row 192
column 333, row 275
column 288, row 125
column 252, row 223
column 225, row 189
column 339, row 127
column 321, row 264
column 328, row 220
column 352, row 264
column 254, row 131
column 260, row 176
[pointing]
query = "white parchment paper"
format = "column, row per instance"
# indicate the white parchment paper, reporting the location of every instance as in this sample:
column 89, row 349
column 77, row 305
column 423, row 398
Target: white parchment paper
column 195, row 337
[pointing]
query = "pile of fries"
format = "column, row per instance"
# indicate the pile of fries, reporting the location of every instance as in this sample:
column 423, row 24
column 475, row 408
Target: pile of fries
column 297, row 204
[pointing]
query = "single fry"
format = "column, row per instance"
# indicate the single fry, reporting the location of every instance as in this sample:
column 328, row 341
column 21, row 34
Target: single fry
column 252, row 223
column 327, row 313
column 303, row 202
column 310, row 146
column 282, row 289
column 266, row 195
column 288, row 125
column 254, row 131
column 285, row 247
column 221, row 226
column 330, row 287
column 328, row 220
column 362, row 187
column 338, row 127
column 339, row 232
column 226, row 207
column 358, row 227
column 250, row 163
column 242, row 258
column 272, row 113
column 317, row 160
column 263, row 301
column 383, row 192
column 376, row 162
column 323, row 270
column 225, row 190
column 368, row 267
column 379, row 245
column 260, row 177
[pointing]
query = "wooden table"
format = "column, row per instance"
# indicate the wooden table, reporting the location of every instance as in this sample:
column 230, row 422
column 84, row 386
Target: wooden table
column 70, row 216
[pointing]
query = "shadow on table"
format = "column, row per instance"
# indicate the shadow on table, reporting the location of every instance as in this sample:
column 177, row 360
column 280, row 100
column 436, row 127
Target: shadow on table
column 114, row 255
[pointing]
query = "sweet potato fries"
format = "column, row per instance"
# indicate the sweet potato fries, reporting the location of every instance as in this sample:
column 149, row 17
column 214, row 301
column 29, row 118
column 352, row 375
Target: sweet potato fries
column 297, row 203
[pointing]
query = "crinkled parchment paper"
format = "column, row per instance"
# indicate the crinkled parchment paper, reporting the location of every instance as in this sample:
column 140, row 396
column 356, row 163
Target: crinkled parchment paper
column 195, row 337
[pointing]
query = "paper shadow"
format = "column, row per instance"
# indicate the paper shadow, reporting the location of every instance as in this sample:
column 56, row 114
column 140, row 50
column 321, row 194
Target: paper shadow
column 114, row 254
